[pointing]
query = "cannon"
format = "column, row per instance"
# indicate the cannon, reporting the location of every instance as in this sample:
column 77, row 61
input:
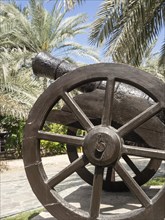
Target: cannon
column 113, row 112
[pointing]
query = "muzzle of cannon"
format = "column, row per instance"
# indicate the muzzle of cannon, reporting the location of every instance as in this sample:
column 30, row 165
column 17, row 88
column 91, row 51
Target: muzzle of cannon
column 110, row 111
column 45, row 65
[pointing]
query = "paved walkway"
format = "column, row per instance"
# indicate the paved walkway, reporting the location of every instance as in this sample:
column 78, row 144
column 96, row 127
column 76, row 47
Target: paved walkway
column 16, row 195
column 15, row 192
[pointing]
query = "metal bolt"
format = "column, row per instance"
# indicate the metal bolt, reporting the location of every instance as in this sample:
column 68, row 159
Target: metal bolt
column 101, row 146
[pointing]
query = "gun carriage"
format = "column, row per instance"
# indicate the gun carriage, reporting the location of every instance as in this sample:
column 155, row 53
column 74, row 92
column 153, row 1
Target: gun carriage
column 119, row 112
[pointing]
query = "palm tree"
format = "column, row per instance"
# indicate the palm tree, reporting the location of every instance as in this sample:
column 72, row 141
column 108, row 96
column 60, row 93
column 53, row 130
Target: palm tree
column 18, row 89
column 23, row 34
column 127, row 28
column 40, row 30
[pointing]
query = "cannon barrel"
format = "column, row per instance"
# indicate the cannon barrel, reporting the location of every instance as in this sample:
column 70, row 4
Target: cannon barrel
column 45, row 65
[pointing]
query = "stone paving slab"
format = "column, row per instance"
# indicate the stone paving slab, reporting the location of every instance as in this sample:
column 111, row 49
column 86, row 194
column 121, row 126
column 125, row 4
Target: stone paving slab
column 111, row 203
column 15, row 192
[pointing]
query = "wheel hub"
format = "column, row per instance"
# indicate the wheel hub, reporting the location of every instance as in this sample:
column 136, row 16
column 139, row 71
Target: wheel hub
column 102, row 146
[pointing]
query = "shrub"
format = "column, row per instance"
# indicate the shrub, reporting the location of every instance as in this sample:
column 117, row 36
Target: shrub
column 14, row 127
column 52, row 148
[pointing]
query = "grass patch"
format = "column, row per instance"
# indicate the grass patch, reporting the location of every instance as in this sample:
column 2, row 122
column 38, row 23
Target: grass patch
column 157, row 181
column 25, row 215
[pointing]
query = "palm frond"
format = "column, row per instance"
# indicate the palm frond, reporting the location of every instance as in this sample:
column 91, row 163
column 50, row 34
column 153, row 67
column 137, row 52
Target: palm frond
column 44, row 31
column 162, row 56
column 127, row 28
column 152, row 66
column 71, row 3
column 63, row 29
column 25, row 33
column 16, row 84
column 13, row 108
column 75, row 49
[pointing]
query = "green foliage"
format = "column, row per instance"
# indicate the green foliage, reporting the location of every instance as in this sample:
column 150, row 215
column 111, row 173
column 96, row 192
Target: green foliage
column 24, row 33
column 25, row 215
column 156, row 181
column 18, row 89
column 151, row 65
column 53, row 148
column 43, row 30
column 162, row 56
column 15, row 128
column 128, row 28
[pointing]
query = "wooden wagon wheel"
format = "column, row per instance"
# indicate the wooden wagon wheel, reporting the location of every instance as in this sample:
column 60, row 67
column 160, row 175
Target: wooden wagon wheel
column 102, row 146
column 109, row 182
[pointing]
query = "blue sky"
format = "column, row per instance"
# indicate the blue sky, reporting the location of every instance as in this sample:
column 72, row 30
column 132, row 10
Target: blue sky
column 90, row 7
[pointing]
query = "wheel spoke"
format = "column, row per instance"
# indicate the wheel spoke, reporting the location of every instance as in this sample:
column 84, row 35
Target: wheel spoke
column 83, row 119
column 71, row 168
column 144, row 152
column 131, row 164
column 108, row 103
column 67, row 139
column 139, row 119
column 96, row 192
column 110, row 176
column 132, row 185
